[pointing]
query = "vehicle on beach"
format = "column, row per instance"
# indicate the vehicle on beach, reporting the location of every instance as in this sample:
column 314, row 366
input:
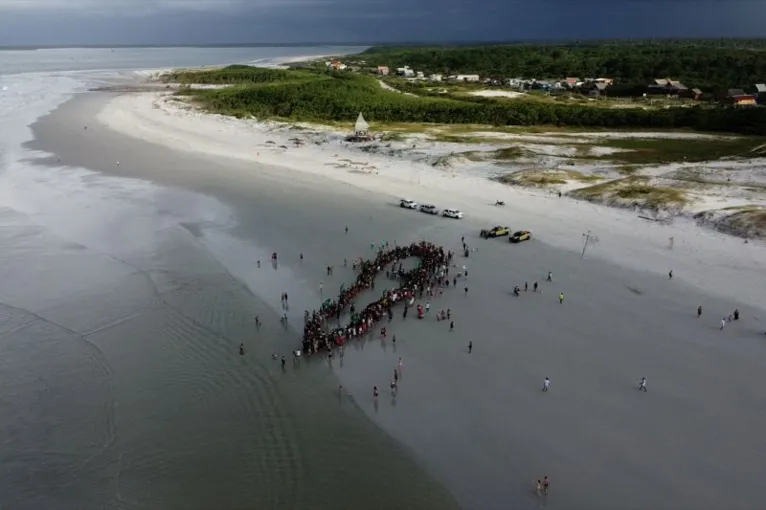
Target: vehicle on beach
column 408, row 204
column 521, row 235
column 495, row 232
column 452, row 213
column 429, row 209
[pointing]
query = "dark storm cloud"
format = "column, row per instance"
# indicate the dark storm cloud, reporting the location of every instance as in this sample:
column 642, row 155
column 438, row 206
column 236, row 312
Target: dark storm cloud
column 47, row 22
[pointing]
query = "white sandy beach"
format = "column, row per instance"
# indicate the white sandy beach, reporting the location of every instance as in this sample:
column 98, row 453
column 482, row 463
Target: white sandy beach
column 719, row 264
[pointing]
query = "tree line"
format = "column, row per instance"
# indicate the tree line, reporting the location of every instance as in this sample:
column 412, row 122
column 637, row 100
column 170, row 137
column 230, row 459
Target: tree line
column 712, row 66
column 342, row 96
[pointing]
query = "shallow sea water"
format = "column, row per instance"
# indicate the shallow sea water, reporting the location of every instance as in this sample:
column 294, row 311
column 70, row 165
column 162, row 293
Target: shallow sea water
column 119, row 327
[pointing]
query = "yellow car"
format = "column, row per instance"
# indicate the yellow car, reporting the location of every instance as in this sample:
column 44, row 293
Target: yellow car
column 495, row 232
column 521, row 235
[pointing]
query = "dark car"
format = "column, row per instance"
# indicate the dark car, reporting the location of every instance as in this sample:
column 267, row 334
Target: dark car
column 521, row 235
column 495, row 232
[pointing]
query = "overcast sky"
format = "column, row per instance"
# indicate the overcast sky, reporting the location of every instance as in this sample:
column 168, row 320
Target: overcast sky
column 112, row 22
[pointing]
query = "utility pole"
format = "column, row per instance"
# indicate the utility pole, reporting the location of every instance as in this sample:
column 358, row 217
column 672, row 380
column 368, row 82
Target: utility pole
column 588, row 238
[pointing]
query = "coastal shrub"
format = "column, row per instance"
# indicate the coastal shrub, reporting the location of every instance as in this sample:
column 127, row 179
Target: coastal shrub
column 236, row 74
column 324, row 96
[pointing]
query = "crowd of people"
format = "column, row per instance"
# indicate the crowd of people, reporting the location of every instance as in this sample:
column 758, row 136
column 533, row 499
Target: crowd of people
column 430, row 272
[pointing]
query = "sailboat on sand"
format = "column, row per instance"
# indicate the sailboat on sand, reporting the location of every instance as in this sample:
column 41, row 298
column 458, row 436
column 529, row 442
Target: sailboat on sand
column 361, row 131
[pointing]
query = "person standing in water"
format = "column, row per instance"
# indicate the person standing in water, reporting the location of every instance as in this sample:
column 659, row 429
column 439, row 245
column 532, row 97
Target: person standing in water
column 670, row 274
column 699, row 311
column 470, row 347
column 561, row 298
column 642, row 384
column 546, row 384
column 550, row 277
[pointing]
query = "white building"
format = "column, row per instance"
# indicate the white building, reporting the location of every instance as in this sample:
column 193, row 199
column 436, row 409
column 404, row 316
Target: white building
column 468, row 77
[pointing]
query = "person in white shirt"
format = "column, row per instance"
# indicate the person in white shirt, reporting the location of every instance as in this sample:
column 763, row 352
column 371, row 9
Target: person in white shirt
column 642, row 384
column 546, row 384
column 723, row 323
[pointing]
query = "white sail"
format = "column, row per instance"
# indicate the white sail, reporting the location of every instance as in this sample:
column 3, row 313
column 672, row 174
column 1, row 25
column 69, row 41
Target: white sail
column 361, row 124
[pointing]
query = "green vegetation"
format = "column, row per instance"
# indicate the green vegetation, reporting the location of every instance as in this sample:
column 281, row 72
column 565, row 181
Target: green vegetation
column 323, row 96
column 632, row 190
column 744, row 221
column 657, row 151
column 545, row 177
column 236, row 74
column 712, row 65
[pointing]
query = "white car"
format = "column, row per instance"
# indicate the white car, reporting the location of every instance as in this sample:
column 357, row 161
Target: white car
column 429, row 209
column 452, row 213
column 408, row 204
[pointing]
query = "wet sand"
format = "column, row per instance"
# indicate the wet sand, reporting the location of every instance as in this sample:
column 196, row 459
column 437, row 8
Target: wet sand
column 478, row 422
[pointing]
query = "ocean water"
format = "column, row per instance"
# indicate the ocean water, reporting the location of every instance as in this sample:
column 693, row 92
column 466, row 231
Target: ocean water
column 119, row 324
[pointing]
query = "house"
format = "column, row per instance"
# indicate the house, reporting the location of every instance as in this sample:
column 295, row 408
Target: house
column 738, row 97
column 760, row 91
column 666, row 86
column 435, row 77
column 405, row 71
column 571, row 82
column 420, row 75
column 336, row 65
column 468, row 77
column 383, row 70
column 695, row 94
column 594, row 88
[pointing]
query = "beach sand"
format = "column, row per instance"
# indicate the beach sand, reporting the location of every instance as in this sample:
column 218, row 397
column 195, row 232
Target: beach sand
column 478, row 422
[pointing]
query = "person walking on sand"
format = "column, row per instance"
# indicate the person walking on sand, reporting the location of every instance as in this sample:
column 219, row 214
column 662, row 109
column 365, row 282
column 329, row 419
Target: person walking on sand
column 561, row 298
column 546, row 384
column 723, row 323
column 546, row 484
column 396, row 375
column 470, row 347
column 375, row 392
column 526, row 286
column 539, row 487
column 347, row 229
column 549, row 277
column 642, row 384
column 534, row 287
column 400, row 364
column 451, row 325
column 670, row 274
column 466, row 291
column 428, row 306
column 699, row 312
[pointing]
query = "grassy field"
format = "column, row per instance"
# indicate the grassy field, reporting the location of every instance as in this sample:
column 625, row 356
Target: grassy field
column 632, row 191
column 536, row 178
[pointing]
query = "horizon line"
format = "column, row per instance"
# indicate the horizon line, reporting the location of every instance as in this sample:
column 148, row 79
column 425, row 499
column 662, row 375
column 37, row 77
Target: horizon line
column 464, row 42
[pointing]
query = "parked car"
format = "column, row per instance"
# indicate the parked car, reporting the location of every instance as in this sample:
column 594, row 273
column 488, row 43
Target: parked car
column 521, row 235
column 495, row 232
column 408, row 204
column 429, row 209
column 452, row 213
